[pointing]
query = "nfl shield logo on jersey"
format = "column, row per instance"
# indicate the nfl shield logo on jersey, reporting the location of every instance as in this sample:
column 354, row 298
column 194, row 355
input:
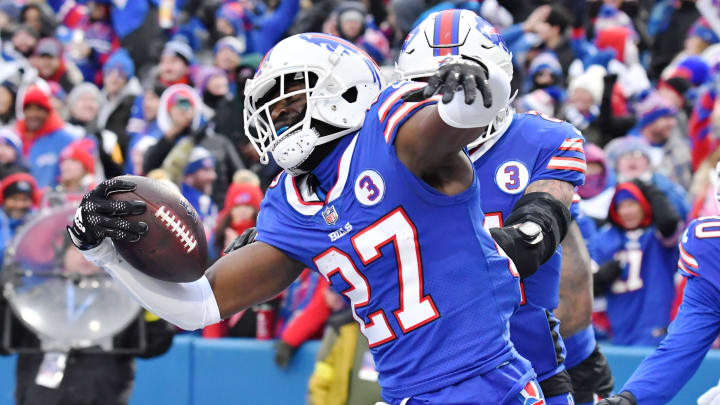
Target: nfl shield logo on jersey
column 531, row 394
column 330, row 215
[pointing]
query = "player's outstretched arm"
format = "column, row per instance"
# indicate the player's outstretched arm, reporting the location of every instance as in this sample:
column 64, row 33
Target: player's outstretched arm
column 242, row 278
column 471, row 94
column 660, row 376
column 250, row 275
column 575, row 305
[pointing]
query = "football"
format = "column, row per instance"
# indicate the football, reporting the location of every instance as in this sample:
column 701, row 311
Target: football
column 174, row 247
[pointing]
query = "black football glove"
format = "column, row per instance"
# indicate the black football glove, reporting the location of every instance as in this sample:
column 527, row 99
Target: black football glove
column 466, row 74
column 623, row 398
column 99, row 216
column 283, row 353
column 247, row 237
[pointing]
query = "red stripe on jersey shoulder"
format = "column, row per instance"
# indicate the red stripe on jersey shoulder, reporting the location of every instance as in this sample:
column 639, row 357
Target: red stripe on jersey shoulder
column 683, row 267
column 402, row 112
column 386, row 106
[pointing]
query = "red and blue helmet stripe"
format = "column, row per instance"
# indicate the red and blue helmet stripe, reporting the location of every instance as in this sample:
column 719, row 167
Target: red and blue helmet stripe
column 446, row 33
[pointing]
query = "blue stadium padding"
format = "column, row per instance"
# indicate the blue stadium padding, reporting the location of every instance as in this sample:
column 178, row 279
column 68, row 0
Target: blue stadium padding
column 166, row 379
column 624, row 360
column 7, row 379
column 233, row 371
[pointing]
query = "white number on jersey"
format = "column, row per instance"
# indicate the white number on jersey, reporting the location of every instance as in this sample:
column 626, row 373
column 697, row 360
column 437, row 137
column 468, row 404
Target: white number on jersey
column 416, row 309
column 633, row 259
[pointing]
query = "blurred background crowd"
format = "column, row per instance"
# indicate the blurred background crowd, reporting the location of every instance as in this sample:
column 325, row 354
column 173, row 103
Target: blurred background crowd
column 95, row 89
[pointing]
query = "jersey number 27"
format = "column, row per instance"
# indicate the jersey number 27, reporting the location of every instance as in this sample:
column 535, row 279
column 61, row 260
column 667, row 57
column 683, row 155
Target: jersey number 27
column 416, row 308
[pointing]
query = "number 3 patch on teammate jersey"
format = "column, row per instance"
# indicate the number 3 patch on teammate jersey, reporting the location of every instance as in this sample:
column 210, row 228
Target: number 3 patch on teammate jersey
column 369, row 187
column 512, row 177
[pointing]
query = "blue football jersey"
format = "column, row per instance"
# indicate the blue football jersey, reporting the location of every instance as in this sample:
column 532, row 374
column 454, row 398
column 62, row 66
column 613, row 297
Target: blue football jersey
column 425, row 280
column 697, row 323
column 533, row 147
column 699, row 245
column 639, row 301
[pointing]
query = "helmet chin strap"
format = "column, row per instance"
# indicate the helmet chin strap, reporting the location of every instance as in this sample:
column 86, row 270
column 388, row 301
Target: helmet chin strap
column 293, row 149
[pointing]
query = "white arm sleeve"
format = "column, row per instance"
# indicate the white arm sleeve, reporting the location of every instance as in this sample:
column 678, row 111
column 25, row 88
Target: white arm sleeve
column 457, row 114
column 188, row 305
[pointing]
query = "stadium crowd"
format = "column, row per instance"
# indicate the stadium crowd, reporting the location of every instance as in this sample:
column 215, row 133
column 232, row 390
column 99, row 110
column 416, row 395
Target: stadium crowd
column 92, row 89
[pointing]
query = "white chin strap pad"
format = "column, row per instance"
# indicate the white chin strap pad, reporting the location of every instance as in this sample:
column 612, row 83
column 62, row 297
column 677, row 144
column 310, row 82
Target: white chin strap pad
column 460, row 115
column 190, row 306
column 293, row 149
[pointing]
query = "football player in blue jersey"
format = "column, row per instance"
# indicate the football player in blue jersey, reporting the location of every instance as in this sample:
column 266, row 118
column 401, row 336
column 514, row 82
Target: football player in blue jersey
column 697, row 324
column 380, row 197
column 516, row 156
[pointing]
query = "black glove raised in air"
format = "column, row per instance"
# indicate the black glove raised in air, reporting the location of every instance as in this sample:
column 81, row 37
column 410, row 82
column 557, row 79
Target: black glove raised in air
column 98, row 216
column 465, row 73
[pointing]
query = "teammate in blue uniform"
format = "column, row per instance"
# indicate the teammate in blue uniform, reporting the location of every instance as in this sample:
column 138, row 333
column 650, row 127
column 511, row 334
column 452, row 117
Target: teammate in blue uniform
column 385, row 205
column 660, row 376
column 637, row 253
column 516, row 155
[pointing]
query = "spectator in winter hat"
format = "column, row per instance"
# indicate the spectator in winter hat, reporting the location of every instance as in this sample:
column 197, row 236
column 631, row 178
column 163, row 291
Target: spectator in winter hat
column 47, row 58
column 23, row 42
column 349, row 21
column 10, row 151
column 630, row 157
column 227, row 53
column 175, row 61
column 8, row 92
column 670, row 152
column 598, row 176
column 18, row 195
column 178, row 116
column 58, row 99
column 84, row 103
column 120, row 87
column 77, row 166
column 582, row 105
column 610, row 16
column 43, row 134
column 136, row 157
column 242, row 204
column 544, row 71
column 699, row 37
column 541, row 100
column 196, row 187
column 230, row 21
column 598, row 189
column 212, row 84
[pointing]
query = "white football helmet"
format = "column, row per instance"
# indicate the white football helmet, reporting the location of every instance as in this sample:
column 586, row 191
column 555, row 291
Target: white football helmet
column 449, row 34
column 340, row 79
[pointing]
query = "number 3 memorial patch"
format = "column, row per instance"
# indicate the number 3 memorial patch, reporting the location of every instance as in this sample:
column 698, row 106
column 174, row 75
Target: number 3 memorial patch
column 369, row 187
column 512, row 177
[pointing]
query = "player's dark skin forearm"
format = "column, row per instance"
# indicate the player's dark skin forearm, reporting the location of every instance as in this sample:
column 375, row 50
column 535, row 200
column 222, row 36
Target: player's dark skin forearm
column 562, row 190
column 250, row 275
column 575, row 307
column 432, row 150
